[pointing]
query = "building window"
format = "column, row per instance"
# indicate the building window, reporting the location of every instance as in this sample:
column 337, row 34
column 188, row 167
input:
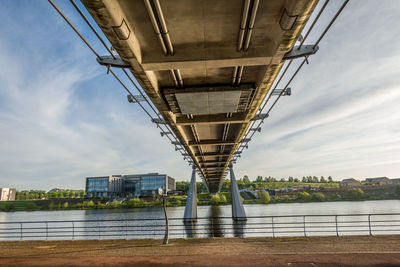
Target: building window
column 153, row 182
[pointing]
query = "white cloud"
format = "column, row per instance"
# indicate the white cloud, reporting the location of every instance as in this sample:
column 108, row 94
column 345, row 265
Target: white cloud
column 62, row 118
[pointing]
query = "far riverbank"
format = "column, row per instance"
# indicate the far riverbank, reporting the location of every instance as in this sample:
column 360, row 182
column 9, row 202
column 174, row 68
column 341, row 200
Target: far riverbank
column 203, row 199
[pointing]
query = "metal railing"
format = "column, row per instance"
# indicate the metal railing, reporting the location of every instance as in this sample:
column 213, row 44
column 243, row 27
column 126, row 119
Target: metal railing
column 254, row 226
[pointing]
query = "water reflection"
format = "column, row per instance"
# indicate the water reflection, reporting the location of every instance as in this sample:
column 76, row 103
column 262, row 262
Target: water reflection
column 215, row 223
column 239, row 228
column 190, row 228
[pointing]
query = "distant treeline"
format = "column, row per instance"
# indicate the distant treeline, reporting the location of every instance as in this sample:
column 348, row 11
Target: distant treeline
column 52, row 194
column 266, row 182
column 223, row 198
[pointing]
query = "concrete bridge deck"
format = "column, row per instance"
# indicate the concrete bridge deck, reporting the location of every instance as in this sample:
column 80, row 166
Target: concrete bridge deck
column 206, row 65
column 311, row 251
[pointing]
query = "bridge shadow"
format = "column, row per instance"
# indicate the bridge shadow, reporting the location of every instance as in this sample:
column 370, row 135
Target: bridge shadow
column 215, row 224
column 239, row 226
column 190, row 228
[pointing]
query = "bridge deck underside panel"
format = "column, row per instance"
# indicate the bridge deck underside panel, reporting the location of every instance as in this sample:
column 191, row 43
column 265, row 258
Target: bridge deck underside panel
column 205, row 88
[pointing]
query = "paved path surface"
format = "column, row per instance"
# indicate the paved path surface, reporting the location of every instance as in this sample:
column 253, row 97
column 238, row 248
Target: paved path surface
column 315, row 251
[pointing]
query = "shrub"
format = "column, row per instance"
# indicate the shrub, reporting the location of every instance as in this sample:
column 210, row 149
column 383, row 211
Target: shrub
column 264, row 197
column 31, row 206
column 355, row 194
column 397, row 190
column 100, row 205
column 114, row 205
column 215, row 199
column 134, row 203
column 9, row 207
column 318, row 197
column 284, row 199
column 66, row 205
column 51, row 206
column 222, row 199
column 88, row 204
column 303, row 196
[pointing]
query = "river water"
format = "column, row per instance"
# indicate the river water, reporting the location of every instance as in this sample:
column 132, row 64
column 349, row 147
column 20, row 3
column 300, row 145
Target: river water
column 225, row 226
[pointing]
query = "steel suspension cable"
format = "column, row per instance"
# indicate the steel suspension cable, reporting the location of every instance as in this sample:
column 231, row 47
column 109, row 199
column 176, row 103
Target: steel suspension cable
column 129, row 77
column 313, row 23
column 108, row 49
column 300, row 66
column 91, row 27
column 73, row 27
column 98, row 56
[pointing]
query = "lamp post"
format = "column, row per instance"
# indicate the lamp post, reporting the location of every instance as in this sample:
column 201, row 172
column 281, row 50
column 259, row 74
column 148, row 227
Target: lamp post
column 164, row 197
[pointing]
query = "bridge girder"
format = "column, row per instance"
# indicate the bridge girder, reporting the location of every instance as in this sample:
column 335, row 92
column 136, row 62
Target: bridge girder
column 205, row 72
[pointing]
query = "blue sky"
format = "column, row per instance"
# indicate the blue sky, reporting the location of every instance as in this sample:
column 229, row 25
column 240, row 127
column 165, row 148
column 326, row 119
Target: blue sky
column 62, row 118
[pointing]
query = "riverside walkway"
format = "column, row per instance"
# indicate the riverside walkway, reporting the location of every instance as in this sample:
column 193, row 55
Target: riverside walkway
column 293, row 251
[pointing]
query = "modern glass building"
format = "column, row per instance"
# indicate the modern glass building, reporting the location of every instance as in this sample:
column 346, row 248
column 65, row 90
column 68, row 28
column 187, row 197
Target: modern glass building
column 131, row 185
column 104, row 186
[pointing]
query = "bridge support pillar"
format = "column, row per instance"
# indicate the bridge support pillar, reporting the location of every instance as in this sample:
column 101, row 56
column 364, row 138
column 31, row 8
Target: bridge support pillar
column 191, row 201
column 238, row 212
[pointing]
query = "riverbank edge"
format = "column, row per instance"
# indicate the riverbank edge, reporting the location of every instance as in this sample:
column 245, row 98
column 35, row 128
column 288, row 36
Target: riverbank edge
column 200, row 203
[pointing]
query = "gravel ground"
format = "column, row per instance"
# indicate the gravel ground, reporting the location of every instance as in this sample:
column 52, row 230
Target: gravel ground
column 313, row 251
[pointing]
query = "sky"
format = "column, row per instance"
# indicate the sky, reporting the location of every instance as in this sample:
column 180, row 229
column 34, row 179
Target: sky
column 62, row 118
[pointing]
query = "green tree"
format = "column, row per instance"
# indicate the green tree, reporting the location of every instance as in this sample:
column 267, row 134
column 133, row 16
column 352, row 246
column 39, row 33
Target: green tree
column 246, row 180
column 284, row 198
column 182, row 186
column 322, row 180
column 290, row 179
column 226, row 186
column 330, row 179
column 88, row 204
column 264, row 197
column 296, row 180
column 355, row 194
column 318, row 197
column 134, row 203
column 259, row 178
column 303, row 196
column 397, row 190
column 51, row 206
column 215, row 199
column 304, row 180
column 222, row 199
column 31, row 206
column 9, row 207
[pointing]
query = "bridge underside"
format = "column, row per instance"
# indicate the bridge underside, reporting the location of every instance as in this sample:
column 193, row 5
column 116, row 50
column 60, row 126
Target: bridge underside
column 206, row 65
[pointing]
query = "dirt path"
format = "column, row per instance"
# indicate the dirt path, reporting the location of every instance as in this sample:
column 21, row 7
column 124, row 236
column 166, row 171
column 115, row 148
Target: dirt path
column 315, row 251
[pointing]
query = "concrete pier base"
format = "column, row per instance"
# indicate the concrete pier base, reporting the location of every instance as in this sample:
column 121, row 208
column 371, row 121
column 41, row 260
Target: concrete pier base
column 238, row 212
column 191, row 202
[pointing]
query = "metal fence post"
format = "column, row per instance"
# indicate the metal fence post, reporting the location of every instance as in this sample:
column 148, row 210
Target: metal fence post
column 369, row 224
column 212, row 227
column 73, row 231
column 273, row 230
column 47, row 231
column 304, row 226
column 126, row 229
column 98, row 227
column 337, row 230
column 166, row 235
column 21, row 232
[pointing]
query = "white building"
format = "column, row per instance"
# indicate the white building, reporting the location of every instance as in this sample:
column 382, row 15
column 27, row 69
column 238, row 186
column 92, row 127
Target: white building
column 7, row 194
